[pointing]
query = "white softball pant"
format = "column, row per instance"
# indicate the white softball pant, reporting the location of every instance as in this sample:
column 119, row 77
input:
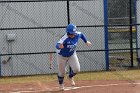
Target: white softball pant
column 63, row 61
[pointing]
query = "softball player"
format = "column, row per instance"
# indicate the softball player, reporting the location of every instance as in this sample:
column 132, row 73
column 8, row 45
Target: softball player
column 66, row 54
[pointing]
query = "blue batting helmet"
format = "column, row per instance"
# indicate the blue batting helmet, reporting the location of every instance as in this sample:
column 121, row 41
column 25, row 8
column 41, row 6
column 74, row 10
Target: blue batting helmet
column 71, row 28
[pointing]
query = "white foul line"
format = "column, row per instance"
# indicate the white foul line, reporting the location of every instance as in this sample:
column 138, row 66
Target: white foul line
column 73, row 88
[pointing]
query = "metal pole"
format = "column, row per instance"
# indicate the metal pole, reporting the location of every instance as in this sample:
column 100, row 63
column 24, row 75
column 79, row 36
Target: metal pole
column 68, row 12
column 0, row 66
column 131, row 33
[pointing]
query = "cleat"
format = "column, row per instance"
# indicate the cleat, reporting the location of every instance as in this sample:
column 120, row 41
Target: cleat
column 61, row 87
column 72, row 81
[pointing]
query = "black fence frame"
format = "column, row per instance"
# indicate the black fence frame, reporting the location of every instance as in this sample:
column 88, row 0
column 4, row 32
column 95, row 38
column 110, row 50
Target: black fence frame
column 68, row 21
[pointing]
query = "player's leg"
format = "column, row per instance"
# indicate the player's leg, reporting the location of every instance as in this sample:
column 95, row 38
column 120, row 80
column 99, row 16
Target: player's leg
column 74, row 64
column 61, row 61
column 71, row 75
column 74, row 67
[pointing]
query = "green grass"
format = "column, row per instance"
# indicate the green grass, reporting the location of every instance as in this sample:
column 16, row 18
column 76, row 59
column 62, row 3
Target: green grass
column 110, row 75
column 103, row 75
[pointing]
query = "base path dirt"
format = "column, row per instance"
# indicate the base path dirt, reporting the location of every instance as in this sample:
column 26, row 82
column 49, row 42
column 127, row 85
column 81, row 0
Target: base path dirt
column 101, row 86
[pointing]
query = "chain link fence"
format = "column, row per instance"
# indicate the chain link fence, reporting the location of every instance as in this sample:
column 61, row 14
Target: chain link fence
column 30, row 30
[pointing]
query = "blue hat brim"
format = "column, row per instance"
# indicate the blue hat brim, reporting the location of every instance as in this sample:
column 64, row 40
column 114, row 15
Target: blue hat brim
column 73, row 32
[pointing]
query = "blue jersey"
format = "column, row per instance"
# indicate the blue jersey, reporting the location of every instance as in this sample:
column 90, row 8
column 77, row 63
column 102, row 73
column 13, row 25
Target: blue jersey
column 69, row 44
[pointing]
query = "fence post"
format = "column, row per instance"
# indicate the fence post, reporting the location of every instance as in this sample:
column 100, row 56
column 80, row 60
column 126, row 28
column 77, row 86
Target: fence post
column 131, row 36
column 68, row 12
column 106, row 33
column 0, row 65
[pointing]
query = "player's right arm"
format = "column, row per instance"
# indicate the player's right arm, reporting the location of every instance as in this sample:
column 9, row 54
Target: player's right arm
column 60, row 43
column 59, row 46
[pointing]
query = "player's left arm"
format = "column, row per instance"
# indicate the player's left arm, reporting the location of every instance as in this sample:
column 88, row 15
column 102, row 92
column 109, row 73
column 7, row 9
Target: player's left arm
column 83, row 37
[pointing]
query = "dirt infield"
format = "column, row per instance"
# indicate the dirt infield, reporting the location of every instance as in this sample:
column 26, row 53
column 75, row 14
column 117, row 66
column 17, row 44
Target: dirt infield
column 102, row 86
